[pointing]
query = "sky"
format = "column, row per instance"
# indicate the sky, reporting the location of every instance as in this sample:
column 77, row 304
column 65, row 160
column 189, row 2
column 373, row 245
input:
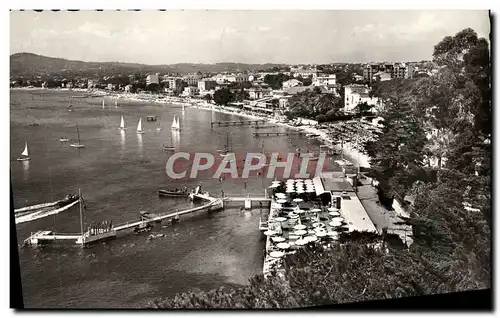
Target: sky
column 292, row 37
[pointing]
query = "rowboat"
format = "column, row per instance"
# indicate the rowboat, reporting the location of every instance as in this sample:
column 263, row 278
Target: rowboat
column 173, row 193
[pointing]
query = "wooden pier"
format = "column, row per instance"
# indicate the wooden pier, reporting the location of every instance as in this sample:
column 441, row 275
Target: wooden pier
column 83, row 239
column 274, row 133
column 235, row 123
column 213, row 204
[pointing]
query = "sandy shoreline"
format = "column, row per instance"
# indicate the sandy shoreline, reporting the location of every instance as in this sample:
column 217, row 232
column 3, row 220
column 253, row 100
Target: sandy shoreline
column 355, row 156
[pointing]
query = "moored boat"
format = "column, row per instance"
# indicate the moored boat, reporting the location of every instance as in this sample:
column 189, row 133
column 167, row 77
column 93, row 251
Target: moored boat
column 173, row 193
column 24, row 155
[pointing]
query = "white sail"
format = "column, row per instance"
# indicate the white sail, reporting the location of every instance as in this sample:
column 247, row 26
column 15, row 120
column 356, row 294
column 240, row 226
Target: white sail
column 103, row 103
column 116, row 103
column 122, row 124
column 177, row 124
column 174, row 123
column 25, row 152
column 139, row 125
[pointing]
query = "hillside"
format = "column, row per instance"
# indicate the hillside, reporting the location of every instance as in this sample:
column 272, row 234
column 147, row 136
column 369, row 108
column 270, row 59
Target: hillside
column 29, row 64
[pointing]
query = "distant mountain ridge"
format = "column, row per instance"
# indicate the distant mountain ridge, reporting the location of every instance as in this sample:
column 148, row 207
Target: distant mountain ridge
column 30, row 64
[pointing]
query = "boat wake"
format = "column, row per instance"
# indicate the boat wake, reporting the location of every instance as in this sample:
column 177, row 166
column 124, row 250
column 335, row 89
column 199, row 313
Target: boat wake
column 40, row 211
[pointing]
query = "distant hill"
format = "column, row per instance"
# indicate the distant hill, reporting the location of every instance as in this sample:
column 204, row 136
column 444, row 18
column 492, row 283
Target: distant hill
column 29, row 64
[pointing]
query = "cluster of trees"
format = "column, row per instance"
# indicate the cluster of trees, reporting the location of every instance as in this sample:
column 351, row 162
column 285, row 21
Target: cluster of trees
column 225, row 96
column 451, row 248
column 314, row 104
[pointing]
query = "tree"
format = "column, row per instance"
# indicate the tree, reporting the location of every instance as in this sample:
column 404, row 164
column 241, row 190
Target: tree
column 275, row 81
column 223, row 96
column 179, row 88
column 207, row 97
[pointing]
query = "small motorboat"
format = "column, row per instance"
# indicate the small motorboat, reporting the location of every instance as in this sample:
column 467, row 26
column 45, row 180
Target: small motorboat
column 153, row 236
column 62, row 139
column 168, row 148
column 173, row 193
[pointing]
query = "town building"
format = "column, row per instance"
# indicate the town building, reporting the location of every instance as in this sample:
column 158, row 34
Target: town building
column 206, row 85
column 190, row 91
column 291, row 83
column 128, row 88
column 132, row 79
column 325, row 80
column 382, row 76
column 313, row 73
column 355, row 94
column 191, row 80
column 173, row 83
column 152, row 79
column 258, row 93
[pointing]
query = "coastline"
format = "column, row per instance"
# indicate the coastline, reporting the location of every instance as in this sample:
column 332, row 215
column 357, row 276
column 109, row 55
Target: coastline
column 352, row 154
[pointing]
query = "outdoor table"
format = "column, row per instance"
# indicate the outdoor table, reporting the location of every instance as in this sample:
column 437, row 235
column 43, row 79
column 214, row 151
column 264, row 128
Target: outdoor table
column 276, row 254
column 278, row 239
column 298, row 200
column 318, row 224
column 333, row 213
column 283, row 246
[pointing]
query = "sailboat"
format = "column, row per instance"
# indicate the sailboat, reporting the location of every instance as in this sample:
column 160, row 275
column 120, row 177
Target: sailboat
column 183, row 107
column 159, row 127
column 122, row 124
column 103, row 103
column 175, row 124
column 139, row 127
column 116, row 103
column 62, row 139
column 24, row 156
column 78, row 144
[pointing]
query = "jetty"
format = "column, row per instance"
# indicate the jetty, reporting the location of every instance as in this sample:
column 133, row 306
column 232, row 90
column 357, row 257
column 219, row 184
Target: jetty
column 212, row 204
column 275, row 133
column 85, row 238
column 236, row 123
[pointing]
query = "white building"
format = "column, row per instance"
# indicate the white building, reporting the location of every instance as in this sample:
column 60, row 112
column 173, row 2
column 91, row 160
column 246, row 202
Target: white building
column 291, row 83
column 206, row 85
column 355, row 94
column 152, row 79
column 190, row 91
column 325, row 80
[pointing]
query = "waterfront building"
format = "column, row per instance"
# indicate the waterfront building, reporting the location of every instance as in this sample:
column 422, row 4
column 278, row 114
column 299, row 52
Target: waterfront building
column 206, row 85
column 355, row 94
column 152, row 79
column 173, row 83
column 190, row 91
column 257, row 93
column 382, row 76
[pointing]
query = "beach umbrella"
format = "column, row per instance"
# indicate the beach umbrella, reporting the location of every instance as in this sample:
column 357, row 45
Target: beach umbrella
column 283, row 246
column 300, row 232
column 299, row 211
column 290, row 190
column 281, row 201
column 318, row 224
column 335, row 223
column 280, row 219
column 270, row 233
column 333, row 209
column 298, row 200
column 300, row 227
column 316, row 210
column 311, row 238
column 334, row 214
column 293, row 216
column 310, row 190
column 276, row 254
column 321, row 234
column 332, row 233
column 337, row 219
column 300, row 242
column 280, row 194
column 278, row 239
column 272, row 186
